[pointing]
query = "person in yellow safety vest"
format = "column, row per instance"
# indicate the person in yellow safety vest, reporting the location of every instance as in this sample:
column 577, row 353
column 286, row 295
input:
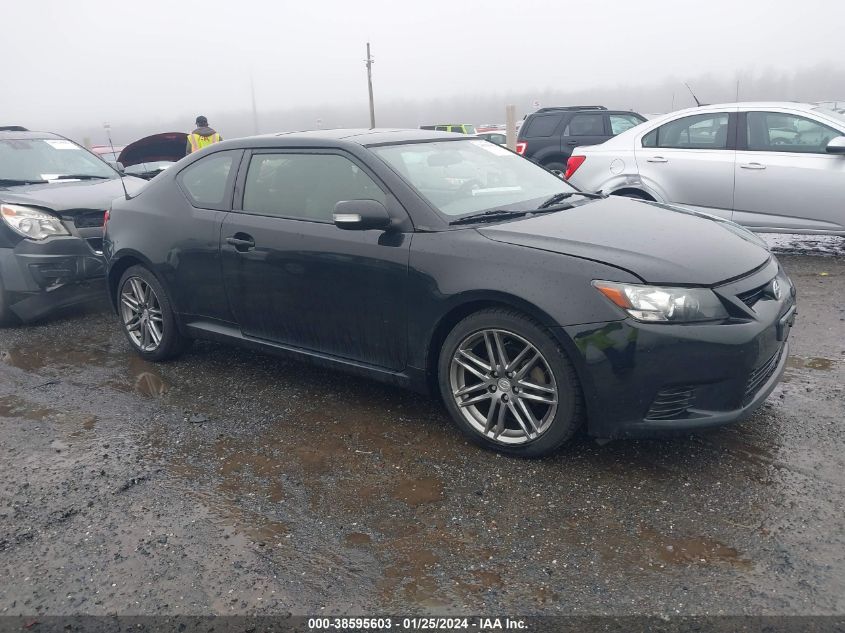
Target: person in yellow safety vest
column 202, row 136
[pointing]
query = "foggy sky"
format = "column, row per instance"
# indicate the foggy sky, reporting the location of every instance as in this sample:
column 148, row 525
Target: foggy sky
column 154, row 64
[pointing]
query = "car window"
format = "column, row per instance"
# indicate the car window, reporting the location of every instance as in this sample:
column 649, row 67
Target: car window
column 699, row 131
column 205, row 181
column 542, row 125
column 621, row 122
column 306, row 186
column 585, row 125
column 777, row 132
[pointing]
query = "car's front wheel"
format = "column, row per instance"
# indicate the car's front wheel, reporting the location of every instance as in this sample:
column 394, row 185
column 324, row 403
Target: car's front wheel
column 147, row 316
column 508, row 384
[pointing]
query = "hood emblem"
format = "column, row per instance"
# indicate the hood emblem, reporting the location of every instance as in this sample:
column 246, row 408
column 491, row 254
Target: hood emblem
column 776, row 289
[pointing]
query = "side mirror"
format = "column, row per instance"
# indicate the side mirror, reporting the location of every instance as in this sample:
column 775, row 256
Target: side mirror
column 118, row 166
column 360, row 215
column 836, row 145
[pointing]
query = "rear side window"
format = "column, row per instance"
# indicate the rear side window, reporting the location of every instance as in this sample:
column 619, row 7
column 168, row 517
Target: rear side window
column 586, row 125
column 207, row 180
column 700, row 131
column 305, row 186
column 542, row 125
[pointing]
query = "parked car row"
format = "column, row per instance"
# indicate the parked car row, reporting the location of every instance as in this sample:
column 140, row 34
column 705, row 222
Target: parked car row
column 436, row 261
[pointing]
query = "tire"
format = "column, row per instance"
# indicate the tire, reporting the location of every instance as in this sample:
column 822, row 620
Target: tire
column 7, row 317
column 559, row 169
column 142, row 302
column 544, row 392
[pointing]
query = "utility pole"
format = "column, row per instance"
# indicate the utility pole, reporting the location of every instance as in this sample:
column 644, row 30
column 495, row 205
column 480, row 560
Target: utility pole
column 370, row 62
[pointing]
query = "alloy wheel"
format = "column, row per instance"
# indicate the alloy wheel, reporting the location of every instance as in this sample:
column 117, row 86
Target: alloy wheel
column 503, row 386
column 141, row 313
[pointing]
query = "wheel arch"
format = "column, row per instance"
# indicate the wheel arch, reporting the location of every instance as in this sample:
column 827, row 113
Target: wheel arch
column 638, row 191
column 461, row 307
column 120, row 264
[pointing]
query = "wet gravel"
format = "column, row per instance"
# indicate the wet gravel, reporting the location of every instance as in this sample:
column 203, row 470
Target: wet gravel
column 233, row 482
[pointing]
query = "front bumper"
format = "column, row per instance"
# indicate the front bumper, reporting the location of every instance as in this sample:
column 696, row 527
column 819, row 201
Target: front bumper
column 642, row 379
column 40, row 277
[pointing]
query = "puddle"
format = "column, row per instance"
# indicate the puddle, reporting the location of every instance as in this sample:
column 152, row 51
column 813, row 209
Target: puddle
column 416, row 492
column 822, row 364
column 142, row 378
column 697, row 550
column 80, row 352
column 15, row 407
column 413, row 575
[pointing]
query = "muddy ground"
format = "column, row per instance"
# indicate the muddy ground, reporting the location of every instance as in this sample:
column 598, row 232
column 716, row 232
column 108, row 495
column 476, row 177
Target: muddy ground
column 233, row 482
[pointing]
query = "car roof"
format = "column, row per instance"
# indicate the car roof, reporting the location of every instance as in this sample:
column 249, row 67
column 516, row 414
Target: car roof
column 333, row 138
column 22, row 136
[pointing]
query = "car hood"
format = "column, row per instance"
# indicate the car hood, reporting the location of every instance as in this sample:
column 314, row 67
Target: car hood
column 167, row 146
column 72, row 196
column 658, row 243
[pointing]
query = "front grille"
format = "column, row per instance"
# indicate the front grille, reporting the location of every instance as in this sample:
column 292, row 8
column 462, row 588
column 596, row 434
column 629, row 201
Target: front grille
column 760, row 375
column 750, row 297
column 88, row 219
column 671, row 403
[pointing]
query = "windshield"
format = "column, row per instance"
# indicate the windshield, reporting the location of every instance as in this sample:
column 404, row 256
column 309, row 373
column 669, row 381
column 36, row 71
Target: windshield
column 48, row 159
column 461, row 177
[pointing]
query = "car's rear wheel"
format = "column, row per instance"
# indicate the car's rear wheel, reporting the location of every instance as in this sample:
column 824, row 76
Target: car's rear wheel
column 558, row 169
column 508, row 384
column 147, row 316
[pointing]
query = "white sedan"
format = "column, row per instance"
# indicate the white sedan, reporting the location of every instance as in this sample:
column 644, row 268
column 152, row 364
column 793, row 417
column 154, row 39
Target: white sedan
column 773, row 167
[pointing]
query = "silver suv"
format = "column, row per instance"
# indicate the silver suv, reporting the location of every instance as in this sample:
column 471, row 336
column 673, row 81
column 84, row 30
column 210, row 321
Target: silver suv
column 773, row 167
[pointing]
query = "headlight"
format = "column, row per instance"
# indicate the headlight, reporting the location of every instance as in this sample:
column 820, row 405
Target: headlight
column 662, row 304
column 31, row 223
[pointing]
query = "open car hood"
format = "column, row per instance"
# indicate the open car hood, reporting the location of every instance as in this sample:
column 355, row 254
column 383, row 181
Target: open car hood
column 167, row 146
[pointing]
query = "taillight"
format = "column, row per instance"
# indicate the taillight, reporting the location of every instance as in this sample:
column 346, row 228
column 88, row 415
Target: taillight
column 521, row 147
column 105, row 220
column 572, row 165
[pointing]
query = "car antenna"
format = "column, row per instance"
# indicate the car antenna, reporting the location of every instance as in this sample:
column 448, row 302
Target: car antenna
column 111, row 145
column 697, row 102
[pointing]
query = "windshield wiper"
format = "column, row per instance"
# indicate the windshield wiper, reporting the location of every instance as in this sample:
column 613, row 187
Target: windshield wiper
column 80, row 177
column 491, row 215
column 560, row 197
column 12, row 182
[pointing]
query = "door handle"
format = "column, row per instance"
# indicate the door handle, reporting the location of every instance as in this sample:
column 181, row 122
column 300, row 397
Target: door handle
column 572, row 142
column 657, row 159
column 753, row 166
column 242, row 243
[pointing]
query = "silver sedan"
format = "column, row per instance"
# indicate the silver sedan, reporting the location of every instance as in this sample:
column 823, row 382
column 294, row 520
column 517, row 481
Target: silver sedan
column 773, row 167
